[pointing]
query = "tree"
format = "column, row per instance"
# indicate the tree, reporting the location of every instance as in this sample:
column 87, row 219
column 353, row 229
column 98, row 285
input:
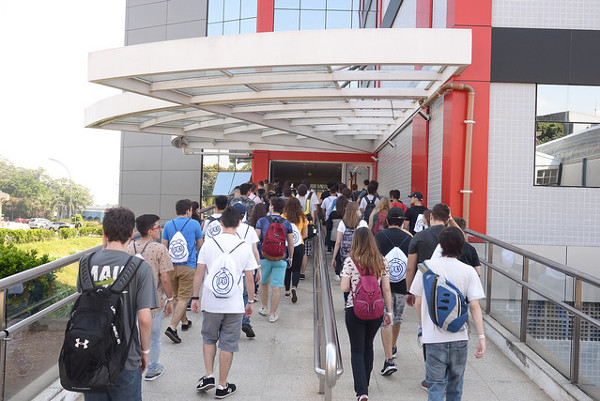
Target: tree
column 547, row 132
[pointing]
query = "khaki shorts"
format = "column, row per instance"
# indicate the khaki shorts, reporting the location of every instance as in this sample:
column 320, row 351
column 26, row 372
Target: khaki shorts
column 182, row 282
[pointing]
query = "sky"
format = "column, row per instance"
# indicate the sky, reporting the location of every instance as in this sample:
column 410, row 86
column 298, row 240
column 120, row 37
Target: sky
column 44, row 47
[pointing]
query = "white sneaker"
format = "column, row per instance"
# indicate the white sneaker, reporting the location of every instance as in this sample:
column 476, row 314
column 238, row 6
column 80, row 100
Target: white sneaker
column 263, row 311
column 273, row 318
column 337, row 278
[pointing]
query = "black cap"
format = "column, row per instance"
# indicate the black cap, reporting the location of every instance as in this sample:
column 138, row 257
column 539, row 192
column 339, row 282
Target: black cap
column 395, row 213
column 417, row 195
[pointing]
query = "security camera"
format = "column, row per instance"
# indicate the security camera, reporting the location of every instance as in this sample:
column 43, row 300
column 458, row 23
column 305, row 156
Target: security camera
column 374, row 159
column 391, row 144
column 425, row 116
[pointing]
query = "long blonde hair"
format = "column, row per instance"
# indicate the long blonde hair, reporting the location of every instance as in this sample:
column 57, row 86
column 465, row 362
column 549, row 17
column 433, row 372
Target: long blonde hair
column 365, row 252
column 383, row 206
column 351, row 217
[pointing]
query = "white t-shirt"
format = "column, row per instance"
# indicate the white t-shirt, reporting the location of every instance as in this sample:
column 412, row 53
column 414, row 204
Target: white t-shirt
column 244, row 260
column 327, row 205
column 313, row 202
column 464, row 278
column 363, row 201
column 212, row 228
column 246, row 232
column 342, row 227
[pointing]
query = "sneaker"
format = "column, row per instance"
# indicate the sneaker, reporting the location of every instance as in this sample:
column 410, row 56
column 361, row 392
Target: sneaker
column 424, row 385
column 294, row 295
column 394, row 351
column 337, row 278
column 389, row 367
column 246, row 328
column 329, row 251
column 172, row 334
column 287, row 295
column 263, row 311
column 273, row 318
column 302, row 277
column 186, row 327
column 363, row 397
column 224, row 392
column 205, row 383
column 155, row 374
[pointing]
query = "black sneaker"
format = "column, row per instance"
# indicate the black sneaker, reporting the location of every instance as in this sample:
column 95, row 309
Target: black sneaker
column 389, row 367
column 294, row 295
column 185, row 327
column 424, row 385
column 205, row 383
column 394, row 351
column 302, row 277
column 246, row 328
column 222, row 393
column 172, row 334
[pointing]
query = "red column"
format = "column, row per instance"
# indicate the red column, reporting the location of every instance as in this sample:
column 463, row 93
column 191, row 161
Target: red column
column 264, row 15
column 260, row 165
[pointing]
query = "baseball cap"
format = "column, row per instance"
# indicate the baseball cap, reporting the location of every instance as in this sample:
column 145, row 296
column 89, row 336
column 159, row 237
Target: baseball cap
column 395, row 213
column 417, row 195
column 241, row 208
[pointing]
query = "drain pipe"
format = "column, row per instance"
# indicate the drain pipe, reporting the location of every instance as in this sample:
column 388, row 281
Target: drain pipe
column 466, row 191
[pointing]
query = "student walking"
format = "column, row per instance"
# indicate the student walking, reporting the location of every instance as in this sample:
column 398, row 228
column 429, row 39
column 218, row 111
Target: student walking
column 364, row 263
column 295, row 215
column 377, row 220
column 345, row 232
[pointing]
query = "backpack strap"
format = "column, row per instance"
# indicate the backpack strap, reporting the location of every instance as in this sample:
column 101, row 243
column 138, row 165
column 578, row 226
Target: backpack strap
column 230, row 252
column 222, row 251
column 126, row 275
column 433, row 235
column 392, row 242
column 84, row 272
column 188, row 220
column 143, row 249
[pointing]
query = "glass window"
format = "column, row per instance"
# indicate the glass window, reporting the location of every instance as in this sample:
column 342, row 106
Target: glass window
column 248, row 25
column 232, row 10
column 286, row 20
column 339, row 20
column 231, row 27
column 312, row 19
column 314, row 4
column 215, row 29
column 249, row 8
column 287, row 4
column 215, row 11
column 567, row 136
column 340, row 5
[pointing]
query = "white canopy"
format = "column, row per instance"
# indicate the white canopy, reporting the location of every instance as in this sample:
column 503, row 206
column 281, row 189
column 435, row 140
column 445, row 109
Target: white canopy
column 320, row 91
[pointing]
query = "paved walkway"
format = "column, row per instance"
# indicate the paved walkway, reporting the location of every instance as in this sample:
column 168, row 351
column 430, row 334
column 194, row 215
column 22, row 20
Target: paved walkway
column 278, row 363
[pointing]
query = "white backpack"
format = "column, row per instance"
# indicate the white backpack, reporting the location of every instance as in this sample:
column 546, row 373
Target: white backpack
column 396, row 260
column 213, row 227
column 297, row 235
column 420, row 223
column 222, row 277
column 178, row 247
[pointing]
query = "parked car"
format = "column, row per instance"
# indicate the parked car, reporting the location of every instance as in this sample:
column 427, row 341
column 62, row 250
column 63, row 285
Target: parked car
column 39, row 223
column 61, row 224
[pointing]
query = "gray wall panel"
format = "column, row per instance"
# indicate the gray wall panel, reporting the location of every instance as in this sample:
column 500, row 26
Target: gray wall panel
column 141, row 182
column 147, row 15
column 146, row 35
column 395, row 165
column 137, row 139
column 173, row 159
column 186, row 11
column 180, row 182
column 184, row 30
column 142, row 158
column 141, row 204
column 436, row 143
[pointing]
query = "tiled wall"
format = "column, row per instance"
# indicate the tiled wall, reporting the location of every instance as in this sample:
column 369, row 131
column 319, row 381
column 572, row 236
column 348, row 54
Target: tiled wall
column 552, row 14
column 440, row 11
column 434, row 167
column 395, row 165
column 518, row 211
column 154, row 174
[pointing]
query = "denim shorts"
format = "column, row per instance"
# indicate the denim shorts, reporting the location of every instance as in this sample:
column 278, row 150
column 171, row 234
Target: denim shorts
column 273, row 270
column 127, row 388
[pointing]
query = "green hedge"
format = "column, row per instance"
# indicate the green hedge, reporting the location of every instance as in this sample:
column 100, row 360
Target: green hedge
column 13, row 260
column 36, row 235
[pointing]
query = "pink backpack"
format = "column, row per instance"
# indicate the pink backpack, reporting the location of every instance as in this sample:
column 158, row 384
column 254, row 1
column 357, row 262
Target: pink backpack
column 367, row 298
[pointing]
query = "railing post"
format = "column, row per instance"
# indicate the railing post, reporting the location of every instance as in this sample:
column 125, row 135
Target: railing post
column 3, row 326
column 488, row 276
column 524, row 301
column 576, row 332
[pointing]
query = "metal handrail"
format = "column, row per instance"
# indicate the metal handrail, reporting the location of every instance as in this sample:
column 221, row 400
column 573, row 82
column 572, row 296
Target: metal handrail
column 578, row 277
column 327, row 347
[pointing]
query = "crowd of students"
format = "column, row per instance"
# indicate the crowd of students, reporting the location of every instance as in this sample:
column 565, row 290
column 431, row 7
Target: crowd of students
column 257, row 242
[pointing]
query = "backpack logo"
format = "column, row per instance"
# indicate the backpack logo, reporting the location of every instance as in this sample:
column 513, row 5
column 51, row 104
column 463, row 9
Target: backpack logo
column 222, row 282
column 448, row 308
column 420, row 223
column 178, row 246
column 84, row 343
column 397, row 260
column 214, row 230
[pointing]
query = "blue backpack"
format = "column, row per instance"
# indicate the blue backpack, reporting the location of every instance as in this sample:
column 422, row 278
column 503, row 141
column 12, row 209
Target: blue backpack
column 448, row 308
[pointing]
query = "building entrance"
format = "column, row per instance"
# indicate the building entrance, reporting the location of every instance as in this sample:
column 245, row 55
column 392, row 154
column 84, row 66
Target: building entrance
column 317, row 174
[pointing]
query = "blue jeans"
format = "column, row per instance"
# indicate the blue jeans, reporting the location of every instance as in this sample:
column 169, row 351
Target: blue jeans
column 127, row 388
column 445, row 367
column 155, row 341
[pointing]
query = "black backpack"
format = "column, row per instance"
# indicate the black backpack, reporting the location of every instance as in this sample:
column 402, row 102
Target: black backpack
column 95, row 349
column 369, row 208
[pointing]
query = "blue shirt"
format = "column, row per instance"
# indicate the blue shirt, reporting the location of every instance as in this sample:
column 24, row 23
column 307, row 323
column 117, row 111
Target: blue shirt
column 263, row 225
column 191, row 232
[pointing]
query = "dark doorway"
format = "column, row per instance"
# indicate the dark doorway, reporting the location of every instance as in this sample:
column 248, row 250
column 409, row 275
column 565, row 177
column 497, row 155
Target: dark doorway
column 316, row 173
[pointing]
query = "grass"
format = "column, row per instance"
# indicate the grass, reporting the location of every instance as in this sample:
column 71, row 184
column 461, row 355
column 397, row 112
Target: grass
column 59, row 248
